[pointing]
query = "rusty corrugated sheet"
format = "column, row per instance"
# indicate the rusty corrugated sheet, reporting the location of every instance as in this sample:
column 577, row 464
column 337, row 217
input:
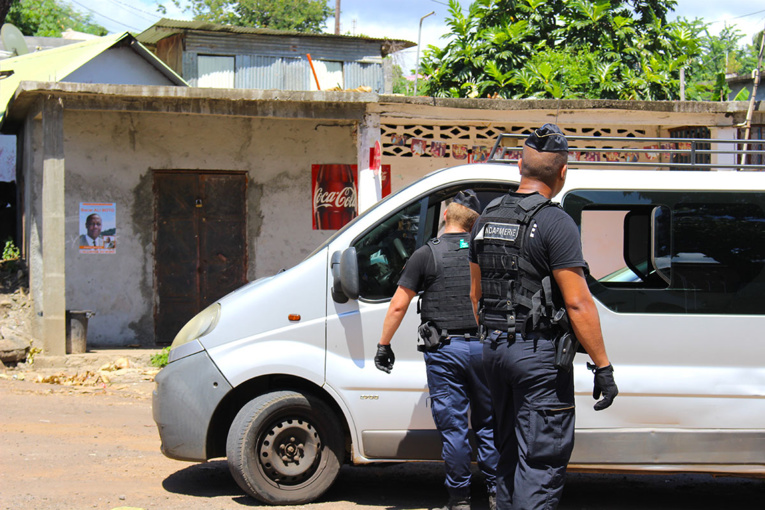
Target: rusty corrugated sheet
column 167, row 27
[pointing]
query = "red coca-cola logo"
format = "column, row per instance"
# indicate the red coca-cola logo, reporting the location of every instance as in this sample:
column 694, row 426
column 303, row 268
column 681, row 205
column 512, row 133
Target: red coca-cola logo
column 345, row 198
column 334, row 196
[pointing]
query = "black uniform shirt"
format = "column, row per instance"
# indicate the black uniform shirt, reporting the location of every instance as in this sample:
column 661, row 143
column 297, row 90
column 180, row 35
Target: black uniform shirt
column 420, row 270
column 553, row 241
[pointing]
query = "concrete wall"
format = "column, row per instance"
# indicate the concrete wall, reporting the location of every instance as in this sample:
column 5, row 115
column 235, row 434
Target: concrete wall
column 110, row 157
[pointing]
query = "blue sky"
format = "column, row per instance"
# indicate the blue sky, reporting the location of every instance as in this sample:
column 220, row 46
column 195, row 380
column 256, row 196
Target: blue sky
column 400, row 19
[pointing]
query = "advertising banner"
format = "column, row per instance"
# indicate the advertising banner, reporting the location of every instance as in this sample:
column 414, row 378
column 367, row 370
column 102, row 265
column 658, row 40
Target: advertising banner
column 335, row 192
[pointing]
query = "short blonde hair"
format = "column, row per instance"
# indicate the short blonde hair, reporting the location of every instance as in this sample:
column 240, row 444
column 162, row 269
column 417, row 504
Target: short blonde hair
column 462, row 216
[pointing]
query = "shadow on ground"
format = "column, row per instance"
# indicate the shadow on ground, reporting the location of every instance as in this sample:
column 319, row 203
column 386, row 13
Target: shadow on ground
column 418, row 485
column 391, row 486
column 660, row 492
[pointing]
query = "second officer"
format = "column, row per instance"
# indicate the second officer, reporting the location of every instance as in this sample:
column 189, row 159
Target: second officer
column 453, row 354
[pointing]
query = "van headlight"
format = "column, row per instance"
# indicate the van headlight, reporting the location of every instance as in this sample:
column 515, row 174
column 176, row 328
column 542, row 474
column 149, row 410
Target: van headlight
column 203, row 323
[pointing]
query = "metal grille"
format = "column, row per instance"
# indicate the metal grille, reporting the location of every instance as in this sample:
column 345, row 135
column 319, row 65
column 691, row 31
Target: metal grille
column 691, row 157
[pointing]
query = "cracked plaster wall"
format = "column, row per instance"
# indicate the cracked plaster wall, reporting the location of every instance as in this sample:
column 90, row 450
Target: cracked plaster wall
column 110, row 158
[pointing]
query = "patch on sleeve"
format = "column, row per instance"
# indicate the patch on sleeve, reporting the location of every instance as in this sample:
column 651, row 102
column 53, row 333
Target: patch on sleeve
column 499, row 231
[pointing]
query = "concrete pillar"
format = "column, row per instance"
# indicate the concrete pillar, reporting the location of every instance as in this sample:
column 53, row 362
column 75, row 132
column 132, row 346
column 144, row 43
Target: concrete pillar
column 53, row 227
column 724, row 133
column 370, row 186
column 387, row 75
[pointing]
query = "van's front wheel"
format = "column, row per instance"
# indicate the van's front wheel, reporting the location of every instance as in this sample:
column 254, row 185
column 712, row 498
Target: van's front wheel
column 285, row 448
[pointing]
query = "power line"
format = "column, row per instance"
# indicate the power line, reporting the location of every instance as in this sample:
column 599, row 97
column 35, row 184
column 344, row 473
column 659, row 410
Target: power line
column 139, row 12
column 737, row 17
column 105, row 17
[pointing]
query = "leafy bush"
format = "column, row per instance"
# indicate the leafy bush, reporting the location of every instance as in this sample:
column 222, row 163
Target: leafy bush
column 10, row 258
column 160, row 359
column 10, row 252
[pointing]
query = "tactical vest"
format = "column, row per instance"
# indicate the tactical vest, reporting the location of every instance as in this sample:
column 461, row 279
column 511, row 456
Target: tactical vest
column 514, row 294
column 447, row 300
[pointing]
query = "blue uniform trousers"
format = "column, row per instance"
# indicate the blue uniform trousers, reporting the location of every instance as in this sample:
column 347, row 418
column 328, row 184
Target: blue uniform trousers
column 456, row 382
column 534, row 421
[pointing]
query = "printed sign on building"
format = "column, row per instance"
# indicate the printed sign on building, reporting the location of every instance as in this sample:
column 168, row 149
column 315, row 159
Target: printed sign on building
column 98, row 228
column 334, row 195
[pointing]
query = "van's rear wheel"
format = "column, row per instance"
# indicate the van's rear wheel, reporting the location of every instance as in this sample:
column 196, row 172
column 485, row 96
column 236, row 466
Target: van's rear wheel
column 285, row 448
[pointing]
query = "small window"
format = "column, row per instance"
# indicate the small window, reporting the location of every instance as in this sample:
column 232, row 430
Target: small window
column 215, row 71
column 329, row 74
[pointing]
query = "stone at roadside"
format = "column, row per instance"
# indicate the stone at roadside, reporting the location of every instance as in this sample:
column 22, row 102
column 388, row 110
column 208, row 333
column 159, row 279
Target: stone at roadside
column 119, row 364
column 13, row 348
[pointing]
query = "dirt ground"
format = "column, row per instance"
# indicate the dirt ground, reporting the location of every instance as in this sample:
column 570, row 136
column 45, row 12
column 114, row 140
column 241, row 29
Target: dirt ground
column 76, row 432
column 95, row 446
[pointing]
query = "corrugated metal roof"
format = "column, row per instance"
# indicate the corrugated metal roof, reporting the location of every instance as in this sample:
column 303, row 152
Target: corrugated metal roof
column 168, row 27
column 57, row 63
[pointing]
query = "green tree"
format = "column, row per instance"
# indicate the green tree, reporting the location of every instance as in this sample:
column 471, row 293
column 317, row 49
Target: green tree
column 298, row 15
column 49, row 18
column 400, row 84
column 620, row 49
column 721, row 54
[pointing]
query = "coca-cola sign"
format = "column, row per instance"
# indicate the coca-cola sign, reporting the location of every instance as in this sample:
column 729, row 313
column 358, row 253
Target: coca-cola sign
column 334, row 195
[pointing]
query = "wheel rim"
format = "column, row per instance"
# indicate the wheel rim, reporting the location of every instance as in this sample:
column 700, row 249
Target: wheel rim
column 290, row 451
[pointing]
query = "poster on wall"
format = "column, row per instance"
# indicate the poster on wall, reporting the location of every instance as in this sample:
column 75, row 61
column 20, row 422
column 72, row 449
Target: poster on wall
column 334, row 195
column 98, row 228
column 385, row 180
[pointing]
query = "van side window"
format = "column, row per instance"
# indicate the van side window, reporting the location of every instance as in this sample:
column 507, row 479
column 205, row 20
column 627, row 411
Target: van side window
column 382, row 251
column 674, row 252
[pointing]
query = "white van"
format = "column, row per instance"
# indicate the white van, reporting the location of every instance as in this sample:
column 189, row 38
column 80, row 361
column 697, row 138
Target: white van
column 279, row 376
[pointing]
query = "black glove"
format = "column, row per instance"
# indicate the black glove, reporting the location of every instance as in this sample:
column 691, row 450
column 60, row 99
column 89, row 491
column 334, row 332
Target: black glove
column 384, row 358
column 605, row 384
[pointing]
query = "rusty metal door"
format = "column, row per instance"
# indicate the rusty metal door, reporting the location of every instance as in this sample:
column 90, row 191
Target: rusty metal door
column 200, row 243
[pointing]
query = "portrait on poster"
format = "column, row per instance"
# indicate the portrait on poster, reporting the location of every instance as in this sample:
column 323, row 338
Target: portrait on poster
column 419, row 146
column 98, row 228
column 459, row 151
column 438, row 149
column 481, row 153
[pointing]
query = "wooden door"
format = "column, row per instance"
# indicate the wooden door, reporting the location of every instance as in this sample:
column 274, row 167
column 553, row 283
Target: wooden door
column 200, row 243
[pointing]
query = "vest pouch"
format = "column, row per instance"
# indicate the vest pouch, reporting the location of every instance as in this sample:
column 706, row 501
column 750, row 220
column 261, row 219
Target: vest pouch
column 566, row 346
column 428, row 336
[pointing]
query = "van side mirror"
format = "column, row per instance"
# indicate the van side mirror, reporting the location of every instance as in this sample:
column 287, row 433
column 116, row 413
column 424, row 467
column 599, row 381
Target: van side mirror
column 345, row 275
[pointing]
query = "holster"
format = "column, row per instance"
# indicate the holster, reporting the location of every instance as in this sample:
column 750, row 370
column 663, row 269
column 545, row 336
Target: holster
column 429, row 337
column 566, row 346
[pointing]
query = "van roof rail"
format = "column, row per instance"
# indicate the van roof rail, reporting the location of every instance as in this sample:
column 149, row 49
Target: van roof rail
column 649, row 153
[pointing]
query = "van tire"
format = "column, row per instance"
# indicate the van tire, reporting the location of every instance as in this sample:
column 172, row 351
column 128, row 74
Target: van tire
column 285, row 448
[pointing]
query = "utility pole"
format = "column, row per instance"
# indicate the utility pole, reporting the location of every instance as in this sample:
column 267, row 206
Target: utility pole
column 337, row 17
column 417, row 62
